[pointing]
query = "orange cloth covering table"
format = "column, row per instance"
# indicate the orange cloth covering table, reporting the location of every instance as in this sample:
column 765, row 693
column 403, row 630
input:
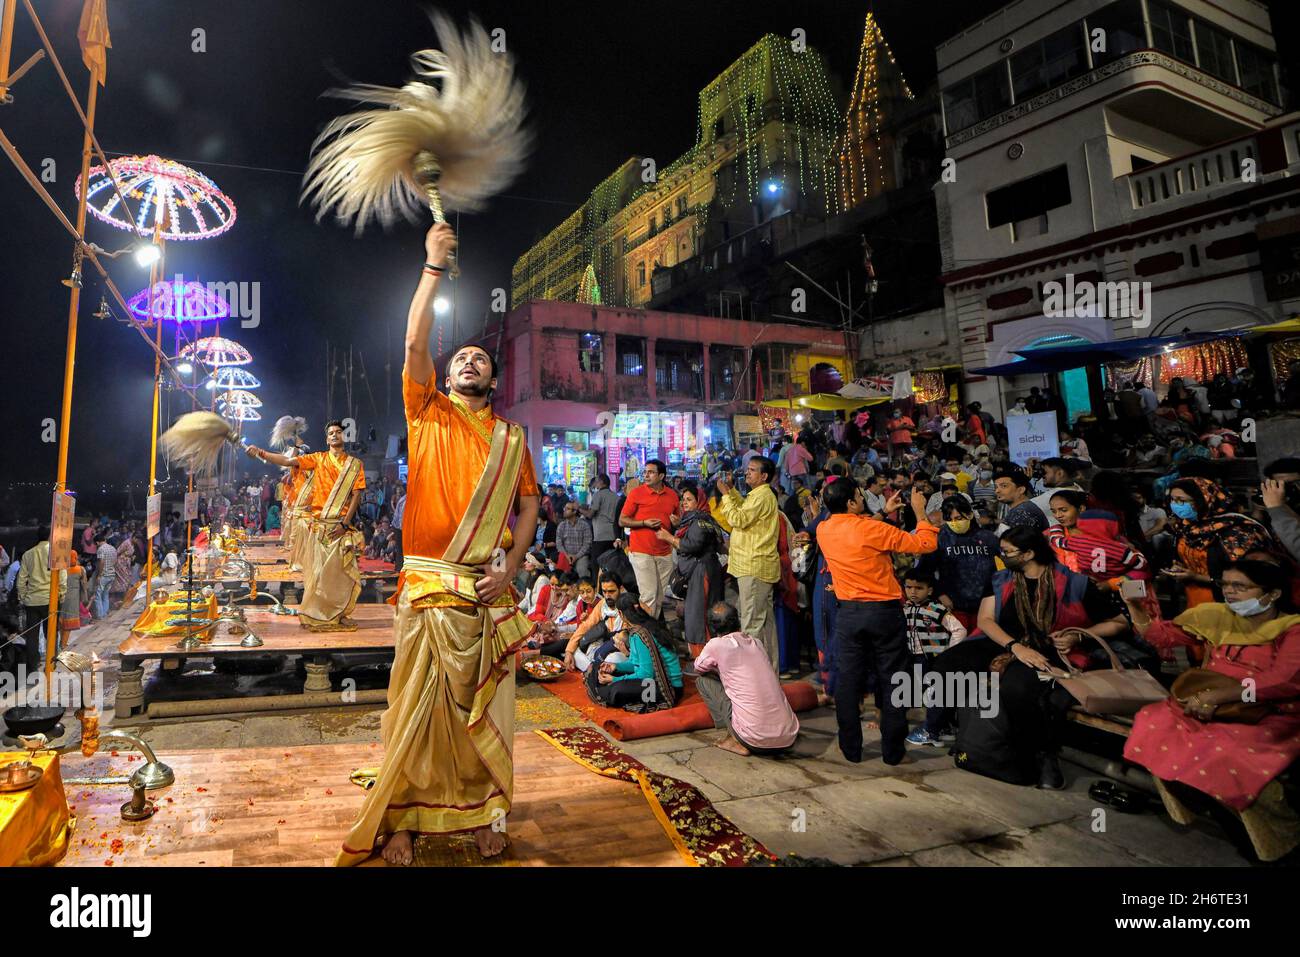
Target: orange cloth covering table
column 34, row 824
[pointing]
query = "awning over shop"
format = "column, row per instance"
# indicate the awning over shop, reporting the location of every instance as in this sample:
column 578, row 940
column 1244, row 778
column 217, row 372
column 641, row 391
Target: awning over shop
column 1286, row 326
column 1076, row 356
column 824, row 402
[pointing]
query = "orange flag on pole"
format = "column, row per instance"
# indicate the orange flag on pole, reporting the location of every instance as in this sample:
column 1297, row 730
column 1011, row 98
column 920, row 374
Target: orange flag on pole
column 92, row 34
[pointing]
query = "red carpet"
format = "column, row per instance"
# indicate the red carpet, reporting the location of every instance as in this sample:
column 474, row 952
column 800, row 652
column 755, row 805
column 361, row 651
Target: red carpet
column 690, row 714
column 373, row 565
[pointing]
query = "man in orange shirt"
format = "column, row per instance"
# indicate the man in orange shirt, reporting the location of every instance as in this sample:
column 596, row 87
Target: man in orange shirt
column 449, row 728
column 332, row 574
column 870, row 628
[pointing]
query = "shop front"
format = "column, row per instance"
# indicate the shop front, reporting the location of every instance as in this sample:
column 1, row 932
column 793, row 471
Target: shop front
column 568, row 458
column 677, row 439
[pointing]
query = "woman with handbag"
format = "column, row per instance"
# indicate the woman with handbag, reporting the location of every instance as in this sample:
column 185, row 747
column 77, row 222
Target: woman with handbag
column 1033, row 613
column 697, row 541
column 1232, row 727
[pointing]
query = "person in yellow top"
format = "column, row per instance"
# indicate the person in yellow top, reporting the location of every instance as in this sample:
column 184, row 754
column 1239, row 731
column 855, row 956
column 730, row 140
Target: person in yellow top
column 753, row 556
column 870, row 627
column 332, row 582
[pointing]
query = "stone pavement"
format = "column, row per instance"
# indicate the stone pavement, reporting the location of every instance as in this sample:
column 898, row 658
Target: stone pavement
column 812, row 802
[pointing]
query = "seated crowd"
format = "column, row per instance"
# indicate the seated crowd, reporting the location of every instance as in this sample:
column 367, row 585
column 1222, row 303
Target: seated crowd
column 926, row 571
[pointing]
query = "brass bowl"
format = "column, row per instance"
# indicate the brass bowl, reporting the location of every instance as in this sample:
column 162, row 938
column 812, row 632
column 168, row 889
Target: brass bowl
column 18, row 776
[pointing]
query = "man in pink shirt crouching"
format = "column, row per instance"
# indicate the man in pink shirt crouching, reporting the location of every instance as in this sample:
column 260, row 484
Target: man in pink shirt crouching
column 743, row 694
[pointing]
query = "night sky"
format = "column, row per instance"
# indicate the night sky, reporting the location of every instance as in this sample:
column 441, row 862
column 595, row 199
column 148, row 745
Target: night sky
column 605, row 81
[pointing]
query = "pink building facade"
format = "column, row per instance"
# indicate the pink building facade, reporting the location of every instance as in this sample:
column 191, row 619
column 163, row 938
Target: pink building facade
column 603, row 387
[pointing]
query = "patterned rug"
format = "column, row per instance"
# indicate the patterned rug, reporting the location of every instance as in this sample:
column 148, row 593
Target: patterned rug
column 701, row 834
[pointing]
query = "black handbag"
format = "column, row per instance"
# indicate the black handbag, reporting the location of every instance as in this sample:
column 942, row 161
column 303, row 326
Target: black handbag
column 984, row 747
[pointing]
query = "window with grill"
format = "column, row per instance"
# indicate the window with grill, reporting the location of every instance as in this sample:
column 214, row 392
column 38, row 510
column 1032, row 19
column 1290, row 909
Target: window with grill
column 977, row 98
column 1122, row 30
column 1258, row 73
column 631, row 355
column 1171, row 30
column 591, row 352
column 1049, row 62
column 1214, row 52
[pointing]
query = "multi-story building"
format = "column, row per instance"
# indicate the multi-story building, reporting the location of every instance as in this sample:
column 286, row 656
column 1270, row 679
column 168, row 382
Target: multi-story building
column 1113, row 141
column 597, row 385
column 765, row 128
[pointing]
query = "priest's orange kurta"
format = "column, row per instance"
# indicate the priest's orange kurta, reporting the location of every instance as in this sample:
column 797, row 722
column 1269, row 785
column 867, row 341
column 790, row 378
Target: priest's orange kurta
column 447, row 455
column 328, row 464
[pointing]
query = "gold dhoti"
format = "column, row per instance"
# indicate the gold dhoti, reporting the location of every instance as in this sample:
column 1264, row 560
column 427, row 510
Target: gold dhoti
column 332, row 581
column 449, row 728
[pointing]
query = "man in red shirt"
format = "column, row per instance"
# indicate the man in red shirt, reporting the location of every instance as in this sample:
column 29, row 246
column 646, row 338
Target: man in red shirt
column 649, row 507
column 870, row 628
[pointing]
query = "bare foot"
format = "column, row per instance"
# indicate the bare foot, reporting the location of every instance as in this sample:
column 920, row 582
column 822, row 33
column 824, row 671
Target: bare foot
column 825, row 700
column 729, row 743
column 399, row 850
column 490, row 843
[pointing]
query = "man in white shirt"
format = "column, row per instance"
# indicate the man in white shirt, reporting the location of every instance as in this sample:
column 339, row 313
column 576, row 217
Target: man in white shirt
column 875, row 493
column 735, row 679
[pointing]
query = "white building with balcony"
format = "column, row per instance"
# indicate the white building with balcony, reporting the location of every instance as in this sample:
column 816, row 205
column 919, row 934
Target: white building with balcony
column 1137, row 141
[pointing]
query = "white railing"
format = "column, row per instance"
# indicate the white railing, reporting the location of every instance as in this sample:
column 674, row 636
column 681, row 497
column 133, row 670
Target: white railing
column 1167, row 181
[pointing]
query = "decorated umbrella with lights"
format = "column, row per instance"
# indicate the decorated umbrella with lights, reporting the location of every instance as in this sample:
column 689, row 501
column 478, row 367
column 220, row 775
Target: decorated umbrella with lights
column 238, row 399
column 233, row 377
column 174, row 201
column 214, row 351
column 241, row 413
column 179, row 301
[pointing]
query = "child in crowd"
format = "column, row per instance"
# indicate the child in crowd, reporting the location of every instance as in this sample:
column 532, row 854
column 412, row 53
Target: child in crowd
column 931, row 630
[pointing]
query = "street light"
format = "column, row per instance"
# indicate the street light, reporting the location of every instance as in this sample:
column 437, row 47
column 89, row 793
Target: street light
column 185, row 368
column 441, row 305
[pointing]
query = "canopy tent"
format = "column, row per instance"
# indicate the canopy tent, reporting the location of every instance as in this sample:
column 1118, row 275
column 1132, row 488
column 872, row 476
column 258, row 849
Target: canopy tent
column 1076, row 356
column 824, row 402
column 1286, row 326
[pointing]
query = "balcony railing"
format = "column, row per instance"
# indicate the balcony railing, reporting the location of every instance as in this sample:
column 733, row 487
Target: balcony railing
column 1198, row 172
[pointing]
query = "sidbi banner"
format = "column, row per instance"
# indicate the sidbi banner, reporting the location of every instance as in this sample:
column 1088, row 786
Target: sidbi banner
column 1033, row 436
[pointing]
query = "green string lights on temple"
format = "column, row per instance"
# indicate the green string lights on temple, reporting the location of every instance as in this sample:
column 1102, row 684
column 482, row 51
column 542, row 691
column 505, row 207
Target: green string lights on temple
column 589, row 288
column 767, row 126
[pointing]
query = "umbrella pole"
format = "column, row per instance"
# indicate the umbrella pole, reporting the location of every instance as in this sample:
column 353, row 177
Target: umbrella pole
column 156, row 271
column 69, row 363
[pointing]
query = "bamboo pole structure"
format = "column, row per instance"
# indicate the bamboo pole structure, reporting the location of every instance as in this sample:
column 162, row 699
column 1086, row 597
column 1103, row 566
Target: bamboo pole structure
column 69, row 364
column 156, row 271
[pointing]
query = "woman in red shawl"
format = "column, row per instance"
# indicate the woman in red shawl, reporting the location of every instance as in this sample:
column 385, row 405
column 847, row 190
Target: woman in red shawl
column 1208, row 535
column 1252, row 640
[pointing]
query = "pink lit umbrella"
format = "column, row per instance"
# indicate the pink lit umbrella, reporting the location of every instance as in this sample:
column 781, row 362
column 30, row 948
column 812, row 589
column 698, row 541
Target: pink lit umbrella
column 215, row 351
column 178, row 202
column 179, row 301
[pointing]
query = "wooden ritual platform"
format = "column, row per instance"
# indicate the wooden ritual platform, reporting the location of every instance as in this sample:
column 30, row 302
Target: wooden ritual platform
column 277, row 807
column 281, row 635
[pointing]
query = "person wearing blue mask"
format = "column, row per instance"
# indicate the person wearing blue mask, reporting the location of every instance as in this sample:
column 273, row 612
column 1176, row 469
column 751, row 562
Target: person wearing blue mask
column 1231, row 727
column 1208, row 533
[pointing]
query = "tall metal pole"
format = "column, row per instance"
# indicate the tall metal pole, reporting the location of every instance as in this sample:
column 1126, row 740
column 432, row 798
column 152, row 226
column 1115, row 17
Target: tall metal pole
column 156, row 271
column 69, row 362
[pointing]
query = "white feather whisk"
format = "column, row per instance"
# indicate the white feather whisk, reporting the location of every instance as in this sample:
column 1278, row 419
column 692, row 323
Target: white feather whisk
column 196, row 439
column 287, row 429
column 444, row 147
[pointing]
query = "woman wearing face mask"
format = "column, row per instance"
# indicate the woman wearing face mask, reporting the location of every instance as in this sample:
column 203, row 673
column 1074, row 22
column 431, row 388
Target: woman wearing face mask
column 1253, row 640
column 964, row 563
column 1208, row 535
column 1022, row 617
